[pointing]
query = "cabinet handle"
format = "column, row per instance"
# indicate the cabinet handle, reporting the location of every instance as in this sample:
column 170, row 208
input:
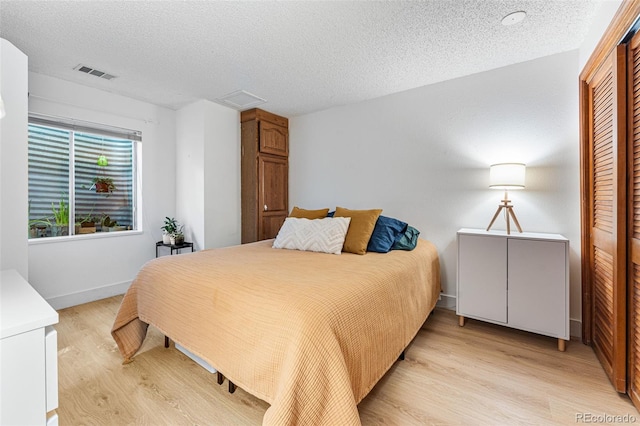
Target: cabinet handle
column 265, row 208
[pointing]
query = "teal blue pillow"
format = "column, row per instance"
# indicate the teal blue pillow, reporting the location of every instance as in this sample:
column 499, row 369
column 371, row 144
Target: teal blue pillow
column 385, row 234
column 408, row 240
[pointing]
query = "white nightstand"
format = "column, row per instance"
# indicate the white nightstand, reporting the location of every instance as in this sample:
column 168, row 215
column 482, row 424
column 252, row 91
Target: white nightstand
column 519, row 280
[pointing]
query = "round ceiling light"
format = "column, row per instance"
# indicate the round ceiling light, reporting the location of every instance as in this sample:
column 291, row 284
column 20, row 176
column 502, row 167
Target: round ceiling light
column 514, row 18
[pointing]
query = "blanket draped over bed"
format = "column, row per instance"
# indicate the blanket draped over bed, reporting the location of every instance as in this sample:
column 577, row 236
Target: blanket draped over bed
column 309, row 333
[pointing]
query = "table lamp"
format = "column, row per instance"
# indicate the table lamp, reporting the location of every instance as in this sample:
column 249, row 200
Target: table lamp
column 506, row 176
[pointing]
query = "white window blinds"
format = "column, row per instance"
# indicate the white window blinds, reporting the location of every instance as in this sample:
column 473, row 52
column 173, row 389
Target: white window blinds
column 65, row 159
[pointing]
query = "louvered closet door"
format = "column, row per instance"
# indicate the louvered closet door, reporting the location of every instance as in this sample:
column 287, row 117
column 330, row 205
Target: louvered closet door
column 607, row 215
column 633, row 324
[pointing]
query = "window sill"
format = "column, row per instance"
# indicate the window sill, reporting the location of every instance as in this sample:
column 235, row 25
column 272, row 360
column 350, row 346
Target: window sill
column 83, row 237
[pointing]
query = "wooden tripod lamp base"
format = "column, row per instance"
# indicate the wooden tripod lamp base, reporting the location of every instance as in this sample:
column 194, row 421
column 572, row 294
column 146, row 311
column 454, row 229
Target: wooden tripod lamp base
column 506, row 176
column 508, row 214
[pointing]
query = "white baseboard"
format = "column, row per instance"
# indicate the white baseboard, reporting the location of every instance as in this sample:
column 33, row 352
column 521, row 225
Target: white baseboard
column 575, row 328
column 447, row 301
column 86, row 296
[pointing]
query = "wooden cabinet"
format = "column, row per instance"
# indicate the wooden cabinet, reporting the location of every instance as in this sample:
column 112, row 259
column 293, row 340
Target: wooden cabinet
column 518, row 280
column 265, row 174
column 274, row 139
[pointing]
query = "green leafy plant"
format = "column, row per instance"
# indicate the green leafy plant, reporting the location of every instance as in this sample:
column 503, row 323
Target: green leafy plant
column 35, row 223
column 104, row 184
column 86, row 219
column 170, row 225
column 106, row 221
column 178, row 232
column 61, row 214
column 177, row 237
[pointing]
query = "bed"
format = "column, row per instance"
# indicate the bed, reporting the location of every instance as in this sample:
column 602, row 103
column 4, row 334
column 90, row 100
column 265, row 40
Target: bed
column 309, row 333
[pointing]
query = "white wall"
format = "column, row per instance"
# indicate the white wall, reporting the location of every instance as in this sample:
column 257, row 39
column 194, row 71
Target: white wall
column 189, row 157
column 208, row 174
column 601, row 20
column 13, row 160
column 423, row 156
column 222, row 176
column 76, row 271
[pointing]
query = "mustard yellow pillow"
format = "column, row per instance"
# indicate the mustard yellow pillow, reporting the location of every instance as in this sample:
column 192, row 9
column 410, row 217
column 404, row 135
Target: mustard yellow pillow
column 308, row 214
column 360, row 228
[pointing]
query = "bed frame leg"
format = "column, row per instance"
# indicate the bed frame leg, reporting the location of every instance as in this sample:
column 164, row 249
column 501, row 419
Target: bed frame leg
column 166, row 342
column 401, row 357
column 232, row 386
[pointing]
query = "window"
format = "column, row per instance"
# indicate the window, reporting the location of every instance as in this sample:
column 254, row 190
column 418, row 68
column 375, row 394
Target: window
column 82, row 178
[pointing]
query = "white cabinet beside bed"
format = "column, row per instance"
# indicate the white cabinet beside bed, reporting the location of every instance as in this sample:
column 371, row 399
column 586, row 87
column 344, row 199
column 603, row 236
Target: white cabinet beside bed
column 519, row 280
column 28, row 354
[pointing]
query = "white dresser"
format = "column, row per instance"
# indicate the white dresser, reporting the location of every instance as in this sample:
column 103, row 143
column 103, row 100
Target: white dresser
column 28, row 354
column 519, row 280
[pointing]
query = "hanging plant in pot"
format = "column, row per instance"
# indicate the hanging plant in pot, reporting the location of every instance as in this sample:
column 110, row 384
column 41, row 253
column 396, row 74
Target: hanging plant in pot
column 104, row 185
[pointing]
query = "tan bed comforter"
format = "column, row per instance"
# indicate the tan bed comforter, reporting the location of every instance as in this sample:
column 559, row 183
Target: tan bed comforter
column 310, row 333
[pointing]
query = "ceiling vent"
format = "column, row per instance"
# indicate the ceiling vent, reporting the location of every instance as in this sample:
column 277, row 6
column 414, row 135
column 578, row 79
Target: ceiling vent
column 241, row 100
column 92, row 71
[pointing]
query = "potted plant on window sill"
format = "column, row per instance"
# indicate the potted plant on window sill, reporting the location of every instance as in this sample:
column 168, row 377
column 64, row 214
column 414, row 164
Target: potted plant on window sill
column 109, row 225
column 61, row 219
column 38, row 227
column 86, row 225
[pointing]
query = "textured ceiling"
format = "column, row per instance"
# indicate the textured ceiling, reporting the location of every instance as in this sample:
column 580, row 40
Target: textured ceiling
column 301, row 56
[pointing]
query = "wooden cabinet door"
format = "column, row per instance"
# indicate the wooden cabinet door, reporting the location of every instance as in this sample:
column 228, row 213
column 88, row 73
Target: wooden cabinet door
column 633, row 231
column 482, row 277
column 274, row 139
column 537, row 286
column 273, row 178
column 271, row 224
column 604, row 215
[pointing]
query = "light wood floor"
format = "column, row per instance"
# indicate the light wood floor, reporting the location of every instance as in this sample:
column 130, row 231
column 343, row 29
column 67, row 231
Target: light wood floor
column 478, row 374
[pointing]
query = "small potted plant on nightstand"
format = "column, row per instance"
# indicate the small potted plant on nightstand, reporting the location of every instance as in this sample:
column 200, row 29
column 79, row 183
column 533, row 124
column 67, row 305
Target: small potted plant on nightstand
column 170, row 226
column 177, row 238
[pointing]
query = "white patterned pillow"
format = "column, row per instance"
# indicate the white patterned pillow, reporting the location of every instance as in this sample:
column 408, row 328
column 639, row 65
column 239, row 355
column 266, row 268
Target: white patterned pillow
column 322, row 235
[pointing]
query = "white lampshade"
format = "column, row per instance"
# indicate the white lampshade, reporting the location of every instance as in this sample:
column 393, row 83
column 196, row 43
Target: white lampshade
column 507, row 176
column 2, row 110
